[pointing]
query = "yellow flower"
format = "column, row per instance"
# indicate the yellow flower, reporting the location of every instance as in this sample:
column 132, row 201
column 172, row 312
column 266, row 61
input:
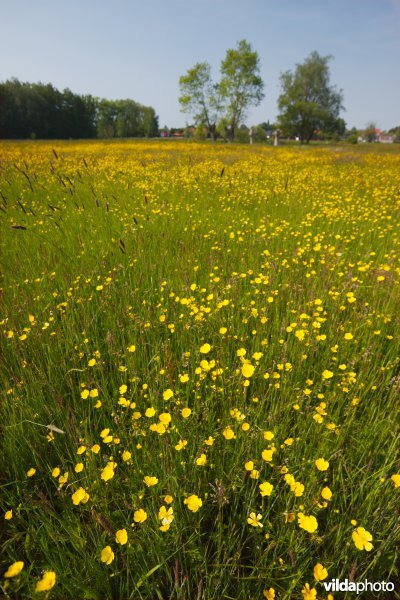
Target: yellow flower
column 254, row 519
column 268, row 435
column 165, row 418
column 121, row 536
column 268, row 454
column 150, row 412
column 168, row 499
column 107, row 555
column 322, row 464
column 186, row 412
column 92, row 362
column 80, row 496
column 31, row 472
column 266, row 488
column 209, row 441
column 247, row 370
column 348, row 336
column 108, row 472
column 396, row 479
column 131, row 348
column 201, row 461
column 14, row 569
column 193, row 502
column 249, row 466
column 309, row 523
column 79, row 467
column 47, row 582
column 166, row 515
column 168, row 394
column 8, row 515
column 126, row 455
column 320, row 573
column 205, row 348
column 85, row 394
column 81, row 450
column 297, row 488
column 150, row 480
column 309, row 593
column 362, row 539
column 122, row 389
column 326, row 493
column 180, row 445
column 140, row 515
column 269, row 594
column 327, row 374
column 241, row 352
column 228, row 433
column 95, row 448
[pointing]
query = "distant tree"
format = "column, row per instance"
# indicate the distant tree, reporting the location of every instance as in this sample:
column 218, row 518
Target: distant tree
column 395, row 131
column 222, row 106
column 267, row 126
column 107, row 119
column 241, row 85
column 200, row 133
column 260, row 133
column 307, row 101
column 352, row 135
column 369, row 132
column 150, row 122
column 334, row 128
column 37, row 110
column 242, row 134
column 200, row 97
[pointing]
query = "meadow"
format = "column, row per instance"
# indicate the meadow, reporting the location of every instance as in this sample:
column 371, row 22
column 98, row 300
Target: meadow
column 200, row 370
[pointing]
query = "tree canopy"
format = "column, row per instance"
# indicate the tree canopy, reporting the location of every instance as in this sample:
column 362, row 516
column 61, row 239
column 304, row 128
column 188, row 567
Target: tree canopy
column 200, row 96
column 307, row 101
column 223, row 105
column 37, row 110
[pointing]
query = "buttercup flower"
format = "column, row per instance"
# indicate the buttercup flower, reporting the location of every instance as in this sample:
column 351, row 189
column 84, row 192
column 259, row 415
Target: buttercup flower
column 47, row 582
column 362, row 539
column 107, row 555
column 193, row 503
column 14, row 569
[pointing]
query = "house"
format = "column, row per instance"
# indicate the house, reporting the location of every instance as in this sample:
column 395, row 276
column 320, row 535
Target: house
column 385, row 138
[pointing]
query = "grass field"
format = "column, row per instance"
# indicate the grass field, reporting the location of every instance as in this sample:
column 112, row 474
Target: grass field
column 200, row 380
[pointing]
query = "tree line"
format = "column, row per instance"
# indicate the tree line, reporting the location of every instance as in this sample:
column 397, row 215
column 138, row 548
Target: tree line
column 37, row 110
column 308, row 103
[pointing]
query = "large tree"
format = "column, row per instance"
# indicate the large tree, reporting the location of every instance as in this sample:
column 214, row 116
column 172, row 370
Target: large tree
column 200, row 97
column 228, row 100
column 241, row 85
column 308, row 102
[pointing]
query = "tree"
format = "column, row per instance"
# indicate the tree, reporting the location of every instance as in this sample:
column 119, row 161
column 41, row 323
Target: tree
column 308, row 102
column 200, row 96
column 37, row 110
column 370, row 132
column 241, row 85
column 222, row 106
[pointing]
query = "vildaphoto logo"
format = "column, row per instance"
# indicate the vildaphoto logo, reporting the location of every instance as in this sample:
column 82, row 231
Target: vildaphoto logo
column 335, row 585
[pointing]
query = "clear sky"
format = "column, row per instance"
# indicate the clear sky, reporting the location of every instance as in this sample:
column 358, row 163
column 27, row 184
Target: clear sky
column 138, row 49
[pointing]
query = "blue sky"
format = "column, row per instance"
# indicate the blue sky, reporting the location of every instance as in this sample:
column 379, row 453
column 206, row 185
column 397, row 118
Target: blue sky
column 138, row 49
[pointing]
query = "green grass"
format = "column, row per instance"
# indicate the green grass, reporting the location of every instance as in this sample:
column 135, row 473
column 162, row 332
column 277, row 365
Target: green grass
column 276, row 241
